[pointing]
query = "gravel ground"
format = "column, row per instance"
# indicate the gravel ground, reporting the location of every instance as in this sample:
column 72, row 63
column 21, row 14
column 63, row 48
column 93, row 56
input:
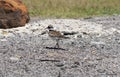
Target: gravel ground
column 92, row 52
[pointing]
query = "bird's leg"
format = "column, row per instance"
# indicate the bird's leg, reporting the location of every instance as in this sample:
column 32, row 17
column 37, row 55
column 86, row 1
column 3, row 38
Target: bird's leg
column 57, row 44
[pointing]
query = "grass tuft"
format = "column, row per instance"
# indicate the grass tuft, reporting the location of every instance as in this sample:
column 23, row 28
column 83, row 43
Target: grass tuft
column 72, row 8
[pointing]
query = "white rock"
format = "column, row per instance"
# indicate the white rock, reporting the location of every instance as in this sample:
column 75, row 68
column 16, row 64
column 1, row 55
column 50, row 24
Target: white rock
column 61, row 25
column 14, row 58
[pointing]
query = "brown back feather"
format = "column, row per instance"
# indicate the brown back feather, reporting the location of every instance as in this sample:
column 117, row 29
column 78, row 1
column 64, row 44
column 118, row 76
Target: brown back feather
column 55, row 34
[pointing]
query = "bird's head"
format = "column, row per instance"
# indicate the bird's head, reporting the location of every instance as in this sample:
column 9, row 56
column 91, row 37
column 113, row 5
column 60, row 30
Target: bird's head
column 50, row 27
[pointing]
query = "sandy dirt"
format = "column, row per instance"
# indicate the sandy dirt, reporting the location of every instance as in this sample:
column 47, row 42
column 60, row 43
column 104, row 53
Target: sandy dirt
column 93, row 51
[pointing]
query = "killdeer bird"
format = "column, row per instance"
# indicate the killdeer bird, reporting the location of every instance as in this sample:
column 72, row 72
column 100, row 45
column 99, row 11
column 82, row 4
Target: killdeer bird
column 55, row 35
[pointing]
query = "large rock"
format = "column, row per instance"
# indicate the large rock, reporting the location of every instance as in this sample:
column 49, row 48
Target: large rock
column 13, row 13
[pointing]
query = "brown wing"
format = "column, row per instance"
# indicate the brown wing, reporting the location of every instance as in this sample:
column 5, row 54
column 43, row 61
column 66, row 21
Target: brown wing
column 55, row 34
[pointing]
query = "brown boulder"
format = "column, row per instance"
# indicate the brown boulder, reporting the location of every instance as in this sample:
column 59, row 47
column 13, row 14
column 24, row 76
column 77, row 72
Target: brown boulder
column 13, row 13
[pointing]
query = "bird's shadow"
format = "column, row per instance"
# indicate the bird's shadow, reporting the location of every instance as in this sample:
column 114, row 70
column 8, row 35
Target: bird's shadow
column 55, row 48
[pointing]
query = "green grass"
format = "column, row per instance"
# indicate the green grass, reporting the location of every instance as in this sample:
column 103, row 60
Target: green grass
column 72, row 8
